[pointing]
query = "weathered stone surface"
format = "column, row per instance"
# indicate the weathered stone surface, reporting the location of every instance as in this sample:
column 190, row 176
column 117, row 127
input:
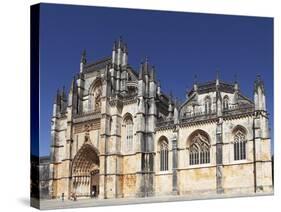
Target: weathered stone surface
column 122, row 158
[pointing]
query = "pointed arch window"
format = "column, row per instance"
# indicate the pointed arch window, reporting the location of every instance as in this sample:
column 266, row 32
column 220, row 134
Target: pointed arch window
column 164, row 154
column 225, row 102
column 129, row 133
column 207, row 105
column 199, row 149
column 95, row 96
column 239, row 145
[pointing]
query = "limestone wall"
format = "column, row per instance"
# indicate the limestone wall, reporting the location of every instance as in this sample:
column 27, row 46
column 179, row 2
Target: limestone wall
column 197, row 180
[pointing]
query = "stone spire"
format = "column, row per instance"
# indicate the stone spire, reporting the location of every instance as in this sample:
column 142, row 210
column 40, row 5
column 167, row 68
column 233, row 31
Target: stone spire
column 57, row 103
column 170, row 109
column 58, row 97
column 218, row 96
column 72, row 85
column 125, row 55
column 141, row 71
column 176, row 113
column 63, row 93
column 146, row 66
column 159, row 88
column 114, row 48
column 83, row 57
column 125, row 48
column 195, row 87
column 119, row 56
column 120, row 43
column 83, row 61
column 218, row 102
column 236, row 86
column 217, row 79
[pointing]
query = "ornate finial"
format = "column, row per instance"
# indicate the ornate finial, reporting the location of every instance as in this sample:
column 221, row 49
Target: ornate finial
column 258, row 79
column 146, row 66
column 141, row 71
column 176, row 101
column 186, row 92
column 125, row 48
column 57, row 96
column 120, row 42
column 72, row 85
column 83, row 57
column 114, row 46
column 259, row 83
column 217, row 79
column 152, row 73
column 63, row 94
column 146, row 59
column 171, row 97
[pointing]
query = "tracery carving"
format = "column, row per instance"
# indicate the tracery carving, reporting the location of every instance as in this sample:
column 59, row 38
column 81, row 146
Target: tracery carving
column 199, row 149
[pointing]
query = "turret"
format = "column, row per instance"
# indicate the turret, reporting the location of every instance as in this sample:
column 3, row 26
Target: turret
column 170, row 109
column 119, row 51
column 259, row 94
column 80, row 92
column 146, row 75
column 195, row 87
column 121, row 56
column 236, row 90
column 145, row 66
column 217, row 80
column 57, row 104
column 114, row 51
column 141, row 82
column 72, row 96
column 125, row 55
column 152, row 74
column 218, row 103
column 63, row 100
column 176, row 113
column 141, row 75
column 152, row 83
column 158, row 88
column 218, row 97
column 118, row 78
column 152, row 103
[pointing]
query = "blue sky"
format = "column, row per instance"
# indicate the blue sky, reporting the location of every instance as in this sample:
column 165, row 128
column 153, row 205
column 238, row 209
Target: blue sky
column 180, row 45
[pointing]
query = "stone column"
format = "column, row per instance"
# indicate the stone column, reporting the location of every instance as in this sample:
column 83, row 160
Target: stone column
column 219, row 149
column 175, row 164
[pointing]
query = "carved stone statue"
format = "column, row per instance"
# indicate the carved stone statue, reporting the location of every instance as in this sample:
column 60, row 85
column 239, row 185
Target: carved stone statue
column 97, row 99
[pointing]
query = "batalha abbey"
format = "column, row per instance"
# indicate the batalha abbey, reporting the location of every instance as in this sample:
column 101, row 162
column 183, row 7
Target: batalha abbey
column 117, row 135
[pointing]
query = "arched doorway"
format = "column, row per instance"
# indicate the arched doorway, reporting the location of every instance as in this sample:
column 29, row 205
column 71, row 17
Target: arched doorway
column 85, row 172
column 95, row 183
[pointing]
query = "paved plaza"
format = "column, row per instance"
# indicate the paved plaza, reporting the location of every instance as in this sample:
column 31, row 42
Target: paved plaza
column 59, row 204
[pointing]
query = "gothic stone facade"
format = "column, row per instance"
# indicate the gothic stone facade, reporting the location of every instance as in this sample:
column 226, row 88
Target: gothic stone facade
column 117, row 135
